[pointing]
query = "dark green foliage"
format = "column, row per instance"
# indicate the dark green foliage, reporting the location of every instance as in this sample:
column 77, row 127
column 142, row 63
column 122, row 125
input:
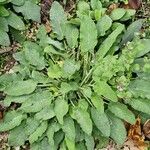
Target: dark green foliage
column 76, row 86
column 28, row 9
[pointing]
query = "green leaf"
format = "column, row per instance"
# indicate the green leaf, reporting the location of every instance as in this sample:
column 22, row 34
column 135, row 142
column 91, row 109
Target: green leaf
column 3, row 11
column 141, row 105
column 117, row 13
column 111, row 39
column 83, row 118
column 89, row 142
column 101, row 121
column 145, row 47
column 58, row 138
column 69, row 130
column 11, row 120
column 60, row 109
column 3, row 24
column 29, row 11
column 129, row 13
column 98, row 102
column 39, row 132
column 58, row 19
column 37, row 102
column 122, row 112
column 102, row 88
column 140, row 87
column 96, row 4
column 67, row 87
column 46, row 113
column 16, row 99
column 40, row 145
column 16, row 136
column 103, row 25
column 54, row 71
column 18, row 2
column 118, row 131
column 4, row 38
column 131, row 30
column 34, row 55
column 18, row 88
column 55, row 43
column 40, row 77
column 71, row 34
column 80, row 146
column 88, row 34
column 87, row 91
column 83, row 8
column 50, row 134
column 15, row 21
column 70, row 67
column 31, row 125
column 53, row 127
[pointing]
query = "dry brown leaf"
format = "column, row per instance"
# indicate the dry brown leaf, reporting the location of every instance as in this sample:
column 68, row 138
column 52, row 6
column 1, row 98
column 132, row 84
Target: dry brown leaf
column 112, row 7
column 135, row 134
column 135, row 4
column 146, row 129
column 48, row 27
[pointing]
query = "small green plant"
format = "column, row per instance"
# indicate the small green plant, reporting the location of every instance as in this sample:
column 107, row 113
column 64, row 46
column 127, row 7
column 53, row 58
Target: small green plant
column 76, row 87
column 28, row 8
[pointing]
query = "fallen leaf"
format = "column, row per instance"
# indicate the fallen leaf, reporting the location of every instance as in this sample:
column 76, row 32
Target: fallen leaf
column 146, row 129
column 135, row 134
column 134, row 4
column 112, row 7
column 48, row 27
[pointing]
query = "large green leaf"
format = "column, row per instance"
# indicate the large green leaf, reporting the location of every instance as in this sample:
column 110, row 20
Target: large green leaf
column 37, row 102
column 101, row 121
column 117, row 13
column 58, row 19
column 141, row 105
column 103, row 24
column 16, row 136
column 15, row 21
column 38, row 132
column 71, row 33
column 4, row 38
column 69, row 130
column 111, row 39
column 18, row 2
column 96, row 4
column 131, row 30
column 3, row 24
column 118, row 131
column 18, row 88
column 102, row 88
column 140, row 87
column 98, row 102
column 46, row 113
column 122, row 111
column 34, row 55
column 70, row 67
column 11, row 120
column 60, row 109
column 89, row 142
column 29, row 11
column 83, row 118
column 3, row 11
column 145, row 47
column 31, row 125
column 16, row 99
column 88, row 34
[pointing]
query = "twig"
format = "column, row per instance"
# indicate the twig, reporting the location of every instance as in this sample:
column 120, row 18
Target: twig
column 5, row 50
